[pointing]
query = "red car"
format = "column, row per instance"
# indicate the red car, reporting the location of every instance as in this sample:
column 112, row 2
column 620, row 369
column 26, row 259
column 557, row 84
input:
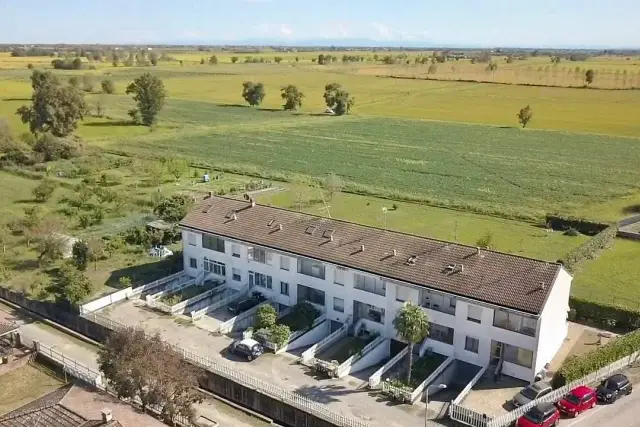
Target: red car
column 579, row 400
column 541, row 415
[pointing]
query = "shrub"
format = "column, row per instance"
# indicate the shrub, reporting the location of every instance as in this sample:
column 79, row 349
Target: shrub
column 485, row 241
column 124, row 281
column 266, row 316
column 44, row 190
column 279, row 334
column 571, row 232
column 84, row 221
column 302, row 316
column 577, row 367
column 602, row 313
column 590, row 249
column 111, row 178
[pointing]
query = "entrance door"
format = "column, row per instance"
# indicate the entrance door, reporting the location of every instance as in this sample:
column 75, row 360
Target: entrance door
column 497, row 350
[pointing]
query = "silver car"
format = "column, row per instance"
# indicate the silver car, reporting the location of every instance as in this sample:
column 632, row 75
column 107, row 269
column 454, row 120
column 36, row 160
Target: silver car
column 531, row 392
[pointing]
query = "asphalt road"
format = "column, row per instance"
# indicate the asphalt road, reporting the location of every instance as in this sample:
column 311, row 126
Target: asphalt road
column 623, row 413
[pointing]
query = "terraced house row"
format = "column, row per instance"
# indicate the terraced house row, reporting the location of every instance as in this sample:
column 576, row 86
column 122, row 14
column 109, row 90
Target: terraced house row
column 485, row 307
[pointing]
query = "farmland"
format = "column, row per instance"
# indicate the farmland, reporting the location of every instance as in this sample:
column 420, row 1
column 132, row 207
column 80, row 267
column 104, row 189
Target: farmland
column 448, row 154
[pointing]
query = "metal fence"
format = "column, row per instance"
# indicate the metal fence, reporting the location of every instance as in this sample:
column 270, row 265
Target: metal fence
column 231, row 372
column 472, row 418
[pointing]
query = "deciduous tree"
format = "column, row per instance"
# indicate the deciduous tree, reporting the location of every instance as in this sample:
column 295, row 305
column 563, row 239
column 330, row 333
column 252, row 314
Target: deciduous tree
column 80, row 255
column 43, row 191
column 589, row 76
column 69, row 285
column 412, row 325
column 108, row 86
column 525, row 115
column 338, row 99
column 177, row 167
column 54, row 107
column 253, row 93
column 332, row 184
column 149, row 94
column 292, row 97
column 174, row 208
column 139, row 365
column 266, row 316
column 213, row 60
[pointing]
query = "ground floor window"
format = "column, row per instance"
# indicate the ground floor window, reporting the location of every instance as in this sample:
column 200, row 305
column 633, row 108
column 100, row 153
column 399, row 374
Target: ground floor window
column 471, row 344
column 215, row 267
column 338, row 304
column 518, row 356
column 368, row 311
column 259, row 279
column 237, row 275
column 312, row 295
column 284, row 288
column 193, row 263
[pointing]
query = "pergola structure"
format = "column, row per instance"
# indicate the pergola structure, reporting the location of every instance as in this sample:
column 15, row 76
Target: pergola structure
column 6, row 329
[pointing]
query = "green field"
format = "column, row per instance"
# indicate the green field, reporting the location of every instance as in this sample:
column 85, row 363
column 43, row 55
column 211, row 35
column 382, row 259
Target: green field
column 613, row 277
column 449, row 155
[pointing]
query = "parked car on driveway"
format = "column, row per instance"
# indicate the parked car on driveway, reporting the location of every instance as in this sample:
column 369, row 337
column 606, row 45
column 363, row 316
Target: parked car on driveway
column 248, row 348
column 614, row 387
column 578, row 400
column 531, row 392
column 541, row 415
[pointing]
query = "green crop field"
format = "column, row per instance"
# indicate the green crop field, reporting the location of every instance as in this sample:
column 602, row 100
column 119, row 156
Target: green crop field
column 452, row 147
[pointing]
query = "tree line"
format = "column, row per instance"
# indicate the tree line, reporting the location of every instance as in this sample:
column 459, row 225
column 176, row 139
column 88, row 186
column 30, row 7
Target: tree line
column 336, row 98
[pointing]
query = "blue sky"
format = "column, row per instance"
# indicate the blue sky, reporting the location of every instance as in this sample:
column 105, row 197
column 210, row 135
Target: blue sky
column 472, row 22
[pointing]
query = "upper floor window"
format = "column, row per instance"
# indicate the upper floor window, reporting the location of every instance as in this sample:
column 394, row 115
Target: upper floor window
column 310, row 267
column 474, row 313
column 215, row 267
column 235, row 250
column 515, row 322
column 212, row 242
column 402, row 293
column 191, row 239
column 284, row 263
column 259, row 255
column 439, row 302
column 259, row 279
column 369, row 284
column 441, row 333
column 338, row 275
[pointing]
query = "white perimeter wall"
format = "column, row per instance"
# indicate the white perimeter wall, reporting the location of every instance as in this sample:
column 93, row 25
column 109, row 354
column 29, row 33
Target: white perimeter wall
column 553, row 327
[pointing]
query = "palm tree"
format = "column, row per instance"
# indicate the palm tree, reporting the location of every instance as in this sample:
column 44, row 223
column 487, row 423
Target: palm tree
column 412, row 325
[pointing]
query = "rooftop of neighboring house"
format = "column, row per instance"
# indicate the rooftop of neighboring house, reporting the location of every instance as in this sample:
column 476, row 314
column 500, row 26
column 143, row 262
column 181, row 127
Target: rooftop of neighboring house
column 77, row 406
column 493, row 277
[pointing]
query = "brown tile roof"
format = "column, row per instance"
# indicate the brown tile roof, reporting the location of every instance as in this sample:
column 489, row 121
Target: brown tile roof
column 498, row 278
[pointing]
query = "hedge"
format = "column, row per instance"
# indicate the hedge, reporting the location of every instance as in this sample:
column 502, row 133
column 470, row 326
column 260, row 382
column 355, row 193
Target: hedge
column 590, row 248
column 577, row 367
column 563, row 223
column 605, row 314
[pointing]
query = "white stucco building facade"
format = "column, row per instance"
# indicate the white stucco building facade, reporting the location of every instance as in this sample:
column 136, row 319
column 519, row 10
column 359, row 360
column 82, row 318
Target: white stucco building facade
column 466, row 293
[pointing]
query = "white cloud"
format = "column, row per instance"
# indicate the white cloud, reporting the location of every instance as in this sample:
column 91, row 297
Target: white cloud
column 383, row 30
column 285, row 31
column 343, row 31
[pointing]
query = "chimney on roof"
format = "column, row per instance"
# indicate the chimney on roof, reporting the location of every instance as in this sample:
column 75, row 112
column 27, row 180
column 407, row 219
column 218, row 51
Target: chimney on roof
column 331, row 238
column 210, row 195
column 361, row 248
column 543, row 286
column 280, row 227
column 477, row 250
column 234, row 216
column 253, row 202
column 106, row 415
column 395, row 252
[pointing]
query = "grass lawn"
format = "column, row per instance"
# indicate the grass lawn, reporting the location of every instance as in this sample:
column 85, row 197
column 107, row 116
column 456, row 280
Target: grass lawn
column 510, row 236
column 420, row 371
column 23, row 385
column 613, row 277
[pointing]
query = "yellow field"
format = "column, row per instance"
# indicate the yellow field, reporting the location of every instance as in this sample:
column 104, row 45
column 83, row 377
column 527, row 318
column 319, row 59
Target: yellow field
column 579, row 110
